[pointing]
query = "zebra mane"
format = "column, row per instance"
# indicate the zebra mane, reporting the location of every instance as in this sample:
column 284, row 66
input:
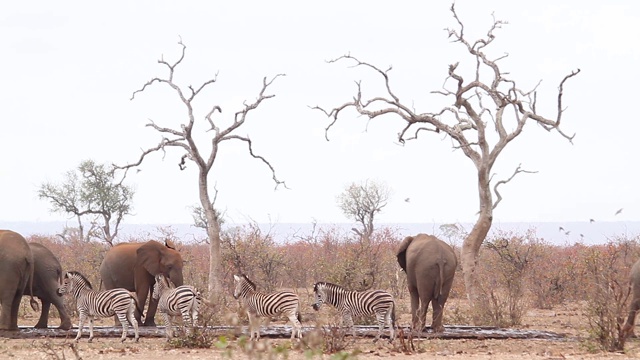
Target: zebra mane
column 82, row 277
column 329, row 285
column 253, row 286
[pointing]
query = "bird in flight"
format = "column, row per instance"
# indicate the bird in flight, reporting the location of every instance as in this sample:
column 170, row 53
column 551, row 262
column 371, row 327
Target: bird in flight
column 406, row 200
column 560, row 228
column 591, row 221
column 619, row 211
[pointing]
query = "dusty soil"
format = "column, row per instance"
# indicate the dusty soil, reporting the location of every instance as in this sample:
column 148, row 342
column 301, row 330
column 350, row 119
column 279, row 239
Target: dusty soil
column 566, row 320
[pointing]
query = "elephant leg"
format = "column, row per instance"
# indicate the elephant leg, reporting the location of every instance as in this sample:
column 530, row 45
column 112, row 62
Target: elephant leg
column 627, row 330
column 415, row 302
column 6, row 303
column 15, row 309
column 43, row 322
column 426, row 289
column 149, row 320
column 65, row 319
column 438, row 308
column 436, row 317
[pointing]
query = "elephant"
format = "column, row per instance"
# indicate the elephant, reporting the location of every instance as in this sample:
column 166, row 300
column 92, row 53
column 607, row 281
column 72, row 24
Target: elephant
column 133, row 266
column 16, row 275
column 47, row 277
column 634, row 283
column 430, row 265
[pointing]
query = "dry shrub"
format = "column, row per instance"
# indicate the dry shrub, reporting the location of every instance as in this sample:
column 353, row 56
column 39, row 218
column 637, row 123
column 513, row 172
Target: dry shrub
column 504, row 263
column 606, row 268
column 75, row 254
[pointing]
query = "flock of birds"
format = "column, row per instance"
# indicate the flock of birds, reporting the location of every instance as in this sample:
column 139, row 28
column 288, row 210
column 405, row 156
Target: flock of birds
column 591, row 221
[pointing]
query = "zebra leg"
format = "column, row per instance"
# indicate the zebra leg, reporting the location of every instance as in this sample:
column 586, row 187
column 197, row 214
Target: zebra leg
column 186, row 319
column 90, row 328
column 252, row 331
column 390, row 322
column 347, row 320
column 131, row 316
column 123, row 320
column 167, row 325
column 194, row 314
column 381, row 318
column 80, row 325
column 296, row 329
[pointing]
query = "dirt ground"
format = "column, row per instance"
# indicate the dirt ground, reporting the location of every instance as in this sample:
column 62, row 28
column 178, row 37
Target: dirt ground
column 566, row 320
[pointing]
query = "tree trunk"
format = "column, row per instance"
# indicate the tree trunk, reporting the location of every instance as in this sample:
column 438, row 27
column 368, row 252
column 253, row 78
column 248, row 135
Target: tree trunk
column 213, row 233
column 473, row 242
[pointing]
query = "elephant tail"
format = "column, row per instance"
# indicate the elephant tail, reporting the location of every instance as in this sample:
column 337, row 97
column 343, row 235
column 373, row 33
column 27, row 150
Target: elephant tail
column 34, row 304
column 401, row 254
column 440, row 283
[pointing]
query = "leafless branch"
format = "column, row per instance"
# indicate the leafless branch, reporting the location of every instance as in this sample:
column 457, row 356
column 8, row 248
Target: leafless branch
column 250, row 145
column 495, row 187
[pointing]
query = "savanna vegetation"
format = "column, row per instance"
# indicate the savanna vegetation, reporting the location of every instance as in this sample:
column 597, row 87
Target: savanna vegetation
column 517, row 271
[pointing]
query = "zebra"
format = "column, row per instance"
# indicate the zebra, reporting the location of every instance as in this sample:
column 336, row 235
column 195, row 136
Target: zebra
column 183, row 300
column 93, row 304
column 260, row 304
column 358, row 303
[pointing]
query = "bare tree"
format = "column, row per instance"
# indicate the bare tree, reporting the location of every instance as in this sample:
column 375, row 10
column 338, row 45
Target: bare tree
column 93, row 191
column 362, row 202
column 182, row 137
column 476, row 122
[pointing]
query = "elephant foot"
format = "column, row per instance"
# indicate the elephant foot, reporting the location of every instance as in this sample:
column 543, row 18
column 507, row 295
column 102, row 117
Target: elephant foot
column 65, row 326
column 439, row 329
column 9, row 328
column 41, row 325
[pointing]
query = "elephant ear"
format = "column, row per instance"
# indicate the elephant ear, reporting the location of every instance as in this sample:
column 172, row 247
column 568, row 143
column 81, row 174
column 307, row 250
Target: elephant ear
column 149, row 257
column 401, row 254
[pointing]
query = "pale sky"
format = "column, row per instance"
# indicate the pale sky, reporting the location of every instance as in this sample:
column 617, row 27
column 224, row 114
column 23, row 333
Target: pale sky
column 68, row 70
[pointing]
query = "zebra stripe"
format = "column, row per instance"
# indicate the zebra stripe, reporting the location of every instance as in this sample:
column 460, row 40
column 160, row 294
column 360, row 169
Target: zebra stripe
column 358, row 303
column 259, row 304
column 94, row 304
column 183, row 300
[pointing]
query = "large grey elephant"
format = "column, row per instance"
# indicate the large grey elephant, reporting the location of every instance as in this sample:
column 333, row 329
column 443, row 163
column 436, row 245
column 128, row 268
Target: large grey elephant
column 430, row 265
column 133, row 266
column 47, row 277
column 16, row 274
column 634, row 282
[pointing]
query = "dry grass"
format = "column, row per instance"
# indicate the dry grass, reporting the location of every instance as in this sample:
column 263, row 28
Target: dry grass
column 566, row 319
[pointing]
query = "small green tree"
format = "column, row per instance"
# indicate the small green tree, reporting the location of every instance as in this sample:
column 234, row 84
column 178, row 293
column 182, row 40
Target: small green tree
column 91, row 191
column 362, row 202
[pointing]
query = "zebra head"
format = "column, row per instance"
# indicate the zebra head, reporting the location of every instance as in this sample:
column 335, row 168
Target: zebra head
column 242, row 286
column 319, row 289
column 73, row 281
column 162, row 283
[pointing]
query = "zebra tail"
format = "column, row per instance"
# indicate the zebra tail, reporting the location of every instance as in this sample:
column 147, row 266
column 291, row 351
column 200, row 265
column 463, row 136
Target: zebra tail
column 203, row 299
column 135, row 300
column 393, row 315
